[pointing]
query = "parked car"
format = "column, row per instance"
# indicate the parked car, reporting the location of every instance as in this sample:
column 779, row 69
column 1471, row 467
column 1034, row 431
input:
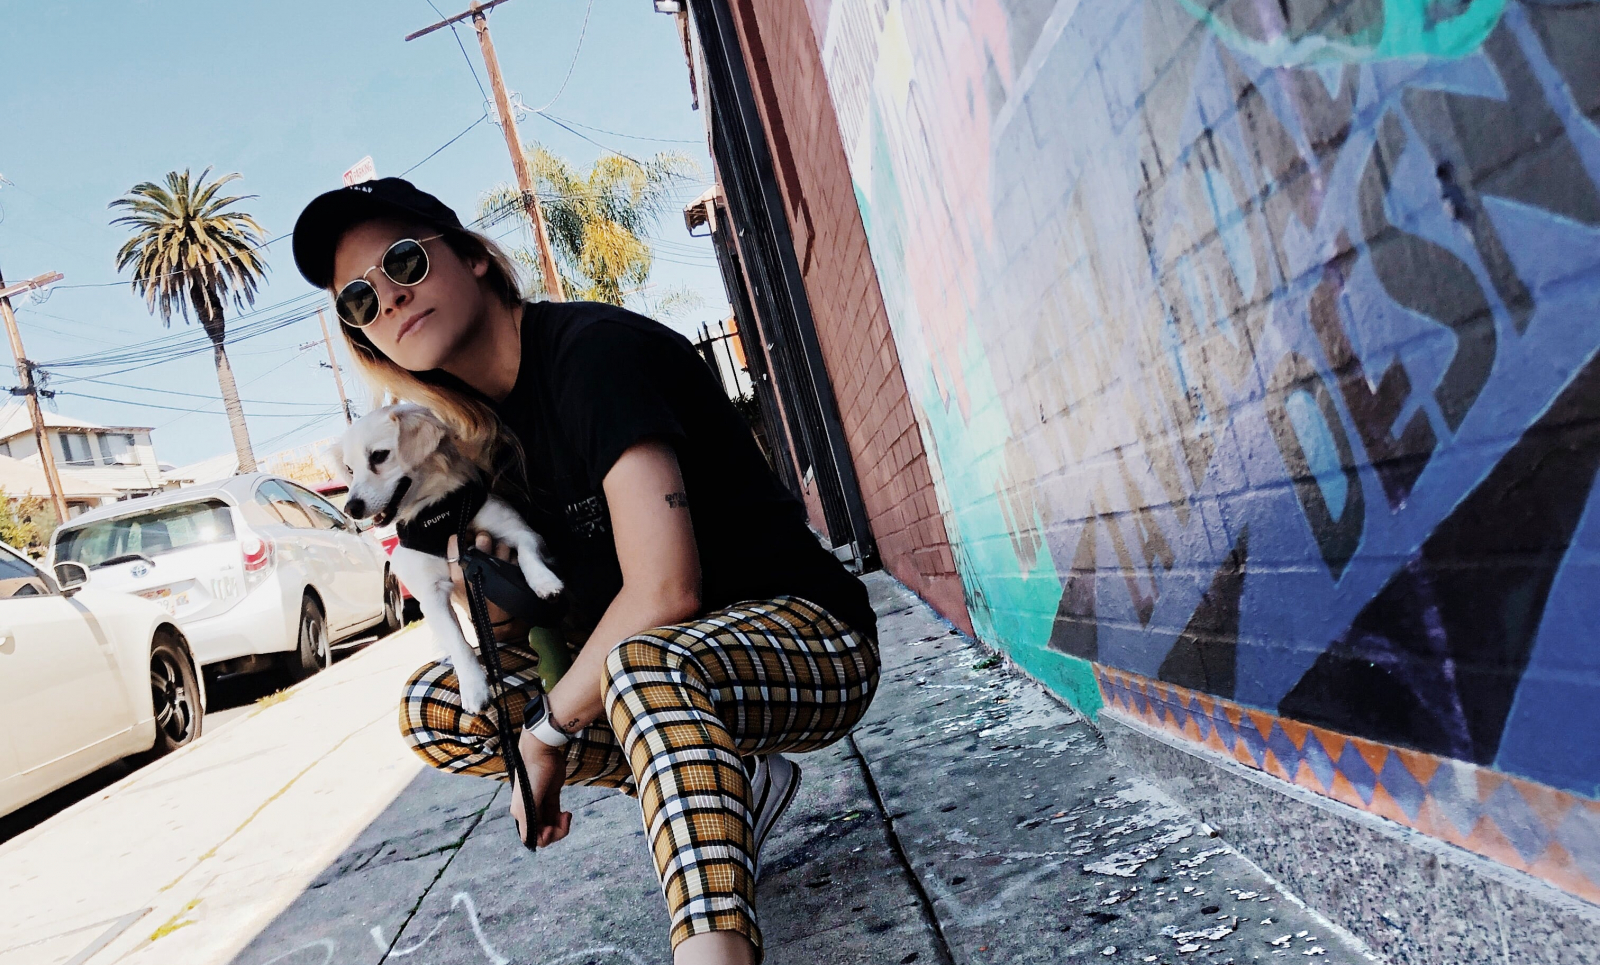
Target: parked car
column 386, row 536
column 87, row 677
column 255, row 569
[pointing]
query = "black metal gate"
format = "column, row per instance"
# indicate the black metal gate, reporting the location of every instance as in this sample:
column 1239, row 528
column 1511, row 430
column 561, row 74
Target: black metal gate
column 782, row 313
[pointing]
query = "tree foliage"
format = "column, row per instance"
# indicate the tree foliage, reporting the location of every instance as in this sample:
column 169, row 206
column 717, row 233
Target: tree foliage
column 26, row 522
column 189, row 252
column 597, row 220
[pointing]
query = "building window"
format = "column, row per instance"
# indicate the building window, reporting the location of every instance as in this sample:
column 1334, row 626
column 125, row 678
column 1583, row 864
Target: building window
column 75, row 449
column 116, row 448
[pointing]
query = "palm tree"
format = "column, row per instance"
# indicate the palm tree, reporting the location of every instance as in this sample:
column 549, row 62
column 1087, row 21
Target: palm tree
column 597, row 220
column 188, row 252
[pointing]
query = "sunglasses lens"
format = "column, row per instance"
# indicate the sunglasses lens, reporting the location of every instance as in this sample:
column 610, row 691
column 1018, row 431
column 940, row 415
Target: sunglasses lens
column 357, row 304
column 406, row 262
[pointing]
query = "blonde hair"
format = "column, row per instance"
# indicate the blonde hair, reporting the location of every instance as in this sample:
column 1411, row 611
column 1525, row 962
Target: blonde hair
column 480, row 434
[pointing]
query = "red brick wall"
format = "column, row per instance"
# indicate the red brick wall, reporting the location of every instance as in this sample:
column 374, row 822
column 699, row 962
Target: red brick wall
column 842, row 286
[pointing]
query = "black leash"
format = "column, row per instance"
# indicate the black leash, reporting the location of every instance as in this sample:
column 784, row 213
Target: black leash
column 472, row 567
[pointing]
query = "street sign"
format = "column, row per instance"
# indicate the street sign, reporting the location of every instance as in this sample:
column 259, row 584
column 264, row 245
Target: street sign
column 362, row 170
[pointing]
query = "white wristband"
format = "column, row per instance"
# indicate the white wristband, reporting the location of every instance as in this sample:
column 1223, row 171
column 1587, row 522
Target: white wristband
column 546, row 732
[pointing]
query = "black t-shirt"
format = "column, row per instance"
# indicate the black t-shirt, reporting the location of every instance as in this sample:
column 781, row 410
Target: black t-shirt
column 595, row 380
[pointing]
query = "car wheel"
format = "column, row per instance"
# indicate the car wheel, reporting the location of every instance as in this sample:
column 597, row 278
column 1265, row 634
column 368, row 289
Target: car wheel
column 312, row 650
column 392, row 605
column 174, row 696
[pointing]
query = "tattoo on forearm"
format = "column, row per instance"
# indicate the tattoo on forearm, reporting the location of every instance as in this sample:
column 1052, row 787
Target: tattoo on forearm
column 679, row 500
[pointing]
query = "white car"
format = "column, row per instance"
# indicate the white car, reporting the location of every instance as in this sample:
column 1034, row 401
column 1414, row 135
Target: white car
column 86, row 677
column 255, row 569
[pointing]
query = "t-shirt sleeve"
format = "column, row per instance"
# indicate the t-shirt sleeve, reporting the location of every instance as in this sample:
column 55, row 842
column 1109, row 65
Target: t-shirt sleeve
column 612, row 393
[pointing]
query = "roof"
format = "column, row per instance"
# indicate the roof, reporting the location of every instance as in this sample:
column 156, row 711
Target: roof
column 20, row 478
column 236, row 487
column 14, row 421
column 211, row 470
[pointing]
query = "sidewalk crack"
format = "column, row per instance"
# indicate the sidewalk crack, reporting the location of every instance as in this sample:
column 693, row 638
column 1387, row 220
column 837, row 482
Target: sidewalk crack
column 456, row 850
column 924, row 900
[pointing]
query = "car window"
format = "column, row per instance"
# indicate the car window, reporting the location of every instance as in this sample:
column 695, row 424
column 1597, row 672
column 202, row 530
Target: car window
column 325, row 513
column 148, row 534
column 283, row 503
column 19, row 578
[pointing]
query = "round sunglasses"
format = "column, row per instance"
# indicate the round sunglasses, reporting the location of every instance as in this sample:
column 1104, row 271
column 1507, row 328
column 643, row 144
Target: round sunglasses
column 405, row 263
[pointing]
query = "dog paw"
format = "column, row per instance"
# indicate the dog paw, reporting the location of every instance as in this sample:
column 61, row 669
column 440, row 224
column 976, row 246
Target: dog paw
column 474, row 691
column 543, row 582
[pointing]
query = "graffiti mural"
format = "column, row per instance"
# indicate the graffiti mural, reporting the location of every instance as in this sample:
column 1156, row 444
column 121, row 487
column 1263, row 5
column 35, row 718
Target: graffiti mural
column 1254, row 345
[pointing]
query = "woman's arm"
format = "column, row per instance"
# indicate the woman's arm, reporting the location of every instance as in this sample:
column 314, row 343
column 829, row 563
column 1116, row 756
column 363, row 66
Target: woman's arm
column 660, row 572
column 660, row 585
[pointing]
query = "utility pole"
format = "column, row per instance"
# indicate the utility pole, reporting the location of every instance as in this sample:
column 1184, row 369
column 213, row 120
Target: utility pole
column 477, row 13
column 27, row 387
column 333, row 363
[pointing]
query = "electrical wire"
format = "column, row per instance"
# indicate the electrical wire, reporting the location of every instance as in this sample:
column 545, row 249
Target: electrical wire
column 173, row 408
column 582, row 32
column 464, row 56
column 631, row 137
column 480, row 120
column 267, row 443
column 198, row 395
column 117, row 284
column 181, row 345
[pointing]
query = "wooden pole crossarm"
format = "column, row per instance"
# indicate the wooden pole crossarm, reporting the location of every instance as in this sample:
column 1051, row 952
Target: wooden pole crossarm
column 472, row 11
column 39, row 281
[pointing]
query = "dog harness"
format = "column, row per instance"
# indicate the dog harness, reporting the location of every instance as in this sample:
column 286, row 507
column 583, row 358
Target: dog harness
column 429, row 531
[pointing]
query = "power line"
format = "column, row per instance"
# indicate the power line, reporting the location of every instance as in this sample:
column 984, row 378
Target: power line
column 480, row 120
column 173, row 408
column 290, row 234
column 633, row 137
column 577, row 133
column 582, row 31
column 465, row 57
column 267, row 443
column 184, row 344
column 196, row 395
column 118, row 284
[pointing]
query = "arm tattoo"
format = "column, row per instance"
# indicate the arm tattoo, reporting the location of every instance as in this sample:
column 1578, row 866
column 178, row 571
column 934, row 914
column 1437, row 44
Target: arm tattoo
column 678, row 500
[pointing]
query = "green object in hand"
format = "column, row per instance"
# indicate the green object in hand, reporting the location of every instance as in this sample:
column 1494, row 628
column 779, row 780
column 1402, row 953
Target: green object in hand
column 554, row 657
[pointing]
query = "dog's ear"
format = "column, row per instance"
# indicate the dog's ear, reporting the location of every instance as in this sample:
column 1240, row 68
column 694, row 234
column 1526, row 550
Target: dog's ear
column 335, row 458
column 421, row 432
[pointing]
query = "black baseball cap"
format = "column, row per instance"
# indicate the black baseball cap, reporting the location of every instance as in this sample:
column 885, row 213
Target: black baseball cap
column 329, row 216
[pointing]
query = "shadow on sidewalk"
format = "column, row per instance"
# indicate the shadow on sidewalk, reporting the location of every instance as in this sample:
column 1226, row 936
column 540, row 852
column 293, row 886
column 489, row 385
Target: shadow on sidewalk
column 439, row 878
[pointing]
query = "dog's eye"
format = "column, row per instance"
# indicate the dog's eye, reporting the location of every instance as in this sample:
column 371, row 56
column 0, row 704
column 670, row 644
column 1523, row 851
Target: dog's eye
column 377, row 458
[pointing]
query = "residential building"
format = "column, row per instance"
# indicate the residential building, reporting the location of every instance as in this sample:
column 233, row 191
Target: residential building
column 19, row 479
column 1232, row 368
column 117, row 459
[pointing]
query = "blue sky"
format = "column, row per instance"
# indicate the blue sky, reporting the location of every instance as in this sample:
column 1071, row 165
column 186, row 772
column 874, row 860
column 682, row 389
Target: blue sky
column 97, row 96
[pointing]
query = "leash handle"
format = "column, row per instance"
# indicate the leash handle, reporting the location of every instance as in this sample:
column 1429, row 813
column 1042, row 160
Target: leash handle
column 478, row 602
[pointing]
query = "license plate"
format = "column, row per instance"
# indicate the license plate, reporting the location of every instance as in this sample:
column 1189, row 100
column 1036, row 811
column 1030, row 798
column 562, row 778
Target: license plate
column 167, row 599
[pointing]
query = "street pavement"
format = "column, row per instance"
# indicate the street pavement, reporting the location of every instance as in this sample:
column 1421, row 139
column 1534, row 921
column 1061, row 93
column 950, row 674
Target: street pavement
column 970, row 818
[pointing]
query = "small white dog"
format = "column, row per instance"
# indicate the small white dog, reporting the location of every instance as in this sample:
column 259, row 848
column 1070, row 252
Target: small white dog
column 402, row 466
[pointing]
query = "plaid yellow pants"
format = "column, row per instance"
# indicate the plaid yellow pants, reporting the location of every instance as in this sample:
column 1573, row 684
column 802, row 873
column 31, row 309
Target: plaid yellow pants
column 687, row 702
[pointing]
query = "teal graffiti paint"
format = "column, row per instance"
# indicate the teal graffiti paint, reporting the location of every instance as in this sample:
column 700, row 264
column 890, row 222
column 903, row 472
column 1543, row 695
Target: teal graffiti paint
column 1405, row 29
column 1012, row 601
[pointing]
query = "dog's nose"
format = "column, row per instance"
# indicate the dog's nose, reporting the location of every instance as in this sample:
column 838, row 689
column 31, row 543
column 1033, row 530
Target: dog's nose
column 356, row 508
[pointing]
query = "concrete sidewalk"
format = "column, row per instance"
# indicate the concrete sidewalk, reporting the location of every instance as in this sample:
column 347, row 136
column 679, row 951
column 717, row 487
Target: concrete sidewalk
column 971, row 818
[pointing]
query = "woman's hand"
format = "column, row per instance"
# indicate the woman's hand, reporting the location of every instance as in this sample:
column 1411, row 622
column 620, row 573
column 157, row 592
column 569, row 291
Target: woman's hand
column 505, row 626
column 547, row 771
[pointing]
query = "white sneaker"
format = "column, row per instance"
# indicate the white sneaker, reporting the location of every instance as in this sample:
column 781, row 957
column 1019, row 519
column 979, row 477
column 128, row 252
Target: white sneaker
column 773, row 781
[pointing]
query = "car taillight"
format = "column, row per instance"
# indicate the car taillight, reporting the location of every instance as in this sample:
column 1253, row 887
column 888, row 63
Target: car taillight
column 257, row 555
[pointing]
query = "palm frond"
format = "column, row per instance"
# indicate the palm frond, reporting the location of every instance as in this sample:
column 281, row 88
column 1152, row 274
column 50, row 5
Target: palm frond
column 188, row 251
column 597, row 220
